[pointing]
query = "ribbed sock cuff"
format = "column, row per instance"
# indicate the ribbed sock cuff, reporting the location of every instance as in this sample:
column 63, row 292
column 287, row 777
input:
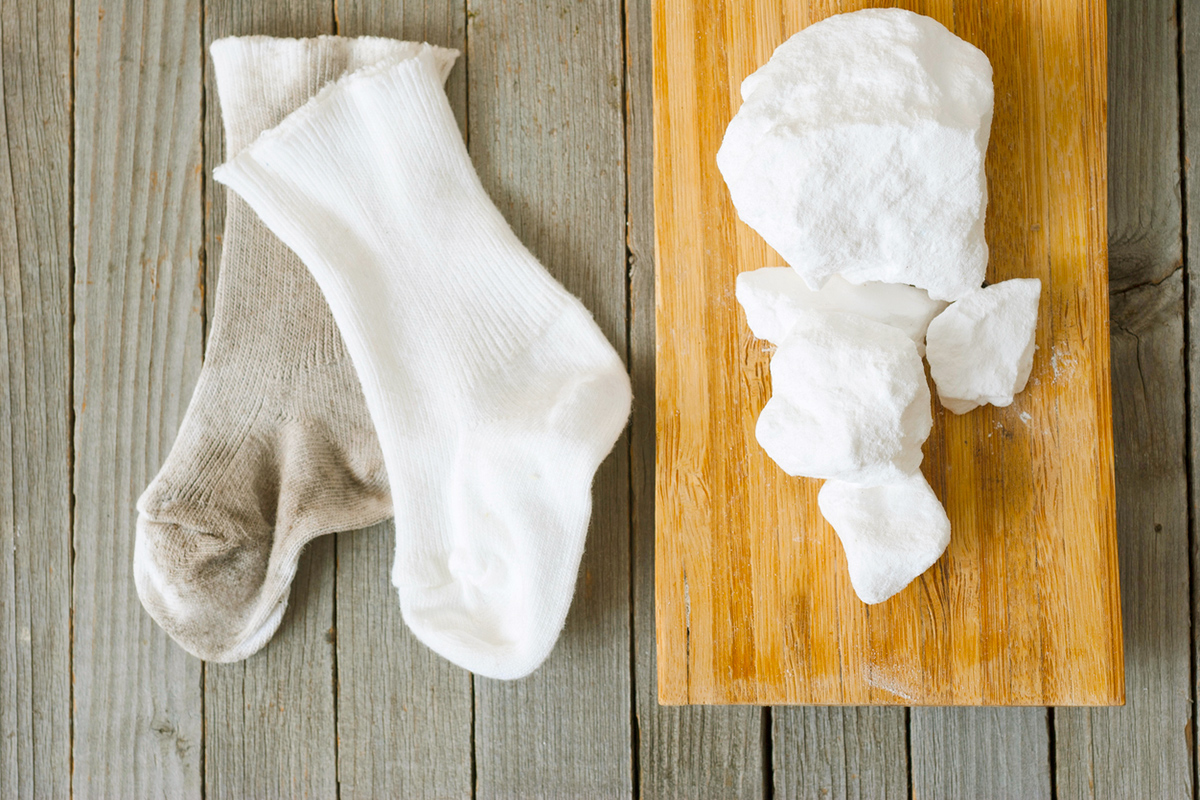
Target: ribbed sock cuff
column 262, row 79
column 379, row 149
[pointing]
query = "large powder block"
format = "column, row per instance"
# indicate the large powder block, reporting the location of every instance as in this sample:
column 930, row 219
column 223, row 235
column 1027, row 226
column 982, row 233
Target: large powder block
column 859, row 149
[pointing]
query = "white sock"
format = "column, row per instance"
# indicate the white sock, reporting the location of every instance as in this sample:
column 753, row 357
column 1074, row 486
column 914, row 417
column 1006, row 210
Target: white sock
column 494, row 393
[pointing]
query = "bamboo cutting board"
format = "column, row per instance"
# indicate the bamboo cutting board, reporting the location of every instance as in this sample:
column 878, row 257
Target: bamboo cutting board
column 753, row 601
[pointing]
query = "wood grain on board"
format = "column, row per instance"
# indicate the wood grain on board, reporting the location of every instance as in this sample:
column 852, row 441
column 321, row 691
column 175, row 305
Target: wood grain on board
column 997, row 753
column 753, row 601
column 840, row 753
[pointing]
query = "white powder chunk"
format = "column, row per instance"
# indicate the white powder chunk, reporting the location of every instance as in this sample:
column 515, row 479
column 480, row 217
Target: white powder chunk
column 773, row 296
column 859, row 149
column 891, row 533
column 980, row 349
column 849, row 400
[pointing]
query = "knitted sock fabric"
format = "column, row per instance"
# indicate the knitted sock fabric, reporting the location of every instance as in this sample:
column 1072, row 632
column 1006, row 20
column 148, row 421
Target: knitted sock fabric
column 494, row 393
column 277, row 446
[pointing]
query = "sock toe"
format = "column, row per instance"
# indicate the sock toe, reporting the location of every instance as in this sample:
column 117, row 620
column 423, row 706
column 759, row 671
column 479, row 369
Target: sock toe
column 208, row 591
column 495, row 601
column 500, row 640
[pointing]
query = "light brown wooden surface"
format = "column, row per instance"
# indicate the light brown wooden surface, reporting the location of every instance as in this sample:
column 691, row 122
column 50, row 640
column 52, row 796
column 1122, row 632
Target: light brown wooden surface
column 753, row 601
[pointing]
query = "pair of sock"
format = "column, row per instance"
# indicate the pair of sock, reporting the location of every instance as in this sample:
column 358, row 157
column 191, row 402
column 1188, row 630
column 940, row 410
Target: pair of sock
column 465, row 379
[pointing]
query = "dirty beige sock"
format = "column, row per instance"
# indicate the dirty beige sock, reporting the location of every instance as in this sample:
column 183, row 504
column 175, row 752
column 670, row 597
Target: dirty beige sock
column 276, row 447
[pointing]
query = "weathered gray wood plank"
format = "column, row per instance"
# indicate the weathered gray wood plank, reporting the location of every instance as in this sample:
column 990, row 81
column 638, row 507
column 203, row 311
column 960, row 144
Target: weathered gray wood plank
column 270, row 725
column 404, row 713
column 545, row 123
column 391, row 688
column 1190, row 92
column 270, row 721
column 137, row 242
column 858, row 753
column 1144, row 219
column 35, row 446
column 1142, row 750
column 980, row 752
column 440, row 22
column 683, row 752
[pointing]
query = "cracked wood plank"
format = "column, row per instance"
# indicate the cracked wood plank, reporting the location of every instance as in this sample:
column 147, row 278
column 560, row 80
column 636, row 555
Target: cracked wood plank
column 1190, row 94
column 998, row 753
column 544, row 117
column 270, row 721
column 840, row 753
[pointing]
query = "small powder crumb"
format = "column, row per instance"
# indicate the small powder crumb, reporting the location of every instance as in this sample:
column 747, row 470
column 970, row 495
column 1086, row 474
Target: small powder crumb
column 1062, row 365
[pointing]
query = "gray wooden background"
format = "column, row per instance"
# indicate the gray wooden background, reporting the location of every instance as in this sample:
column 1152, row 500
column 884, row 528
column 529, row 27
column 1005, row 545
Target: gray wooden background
column 109, row 249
